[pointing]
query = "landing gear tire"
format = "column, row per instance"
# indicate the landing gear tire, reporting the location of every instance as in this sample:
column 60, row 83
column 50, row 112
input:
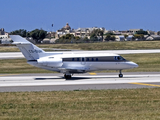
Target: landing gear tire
column 120, row 75
column 67, row 76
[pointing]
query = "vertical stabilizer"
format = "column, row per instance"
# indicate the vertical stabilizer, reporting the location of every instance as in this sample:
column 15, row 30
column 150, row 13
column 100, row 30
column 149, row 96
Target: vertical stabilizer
column 29, row 50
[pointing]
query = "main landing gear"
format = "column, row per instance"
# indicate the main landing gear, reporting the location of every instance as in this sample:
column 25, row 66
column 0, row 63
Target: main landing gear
column 120, row 74
column 66, row 76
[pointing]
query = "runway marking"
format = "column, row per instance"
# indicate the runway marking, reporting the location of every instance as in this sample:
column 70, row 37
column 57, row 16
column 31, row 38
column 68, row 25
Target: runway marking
column 92, row 73
column 8, row 75
column 146, row 84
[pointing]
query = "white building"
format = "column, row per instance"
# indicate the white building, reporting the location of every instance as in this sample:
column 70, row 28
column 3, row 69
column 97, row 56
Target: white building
column 3, row 36
column 153, row 37
column 119, row 38
column 6, row 41
column 135, row 30
column 129, row 38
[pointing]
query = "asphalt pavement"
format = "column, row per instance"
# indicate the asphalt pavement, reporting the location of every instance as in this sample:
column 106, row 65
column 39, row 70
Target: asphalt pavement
column 98, row 81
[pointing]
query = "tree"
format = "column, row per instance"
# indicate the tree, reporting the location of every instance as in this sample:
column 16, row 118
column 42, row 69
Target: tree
column 85, row 40
column 100, row 33
column 109, row 33
column 125, row 36
column 38, row 35
column 77, row 37
column 68, row 38
column 142, row 32
column 21, row 32
column 113, row 38
column 97, row 33
column 139, row 36
column 93, row 34
column 108, row 37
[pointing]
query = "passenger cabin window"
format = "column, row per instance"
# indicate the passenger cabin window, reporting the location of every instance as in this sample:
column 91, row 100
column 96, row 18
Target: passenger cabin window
column 98, row 59
column 92, row 59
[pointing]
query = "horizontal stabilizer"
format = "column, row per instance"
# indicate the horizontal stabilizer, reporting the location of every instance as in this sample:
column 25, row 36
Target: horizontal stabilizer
column 19, row 40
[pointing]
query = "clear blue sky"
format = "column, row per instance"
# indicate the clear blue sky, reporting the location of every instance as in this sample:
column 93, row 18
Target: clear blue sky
column 111, row 14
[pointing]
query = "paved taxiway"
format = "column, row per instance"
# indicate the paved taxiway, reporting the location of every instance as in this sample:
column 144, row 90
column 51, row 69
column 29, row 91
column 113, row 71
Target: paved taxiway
column 56, row 82
column 15, row 55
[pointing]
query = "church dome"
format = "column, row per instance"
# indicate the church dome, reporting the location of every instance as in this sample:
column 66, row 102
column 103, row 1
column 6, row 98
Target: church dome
column 67, row 27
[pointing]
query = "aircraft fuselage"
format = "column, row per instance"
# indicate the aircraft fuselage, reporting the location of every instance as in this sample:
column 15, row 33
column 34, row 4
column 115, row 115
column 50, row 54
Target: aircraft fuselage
column 81, row 63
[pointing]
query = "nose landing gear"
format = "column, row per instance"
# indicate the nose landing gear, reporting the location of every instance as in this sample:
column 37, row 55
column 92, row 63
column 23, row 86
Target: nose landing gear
column 120, row 74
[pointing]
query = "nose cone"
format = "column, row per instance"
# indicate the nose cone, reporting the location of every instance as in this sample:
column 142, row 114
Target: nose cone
column 132, row 64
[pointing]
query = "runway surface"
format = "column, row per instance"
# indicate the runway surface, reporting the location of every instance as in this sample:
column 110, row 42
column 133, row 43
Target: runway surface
column 15, row 55
column 56, row 82
column 11, row 55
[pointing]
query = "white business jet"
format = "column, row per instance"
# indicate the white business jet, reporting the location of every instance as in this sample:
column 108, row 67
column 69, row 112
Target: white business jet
column 70, row 63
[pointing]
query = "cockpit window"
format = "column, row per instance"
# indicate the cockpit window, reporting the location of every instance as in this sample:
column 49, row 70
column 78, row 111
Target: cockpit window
column 119, row 58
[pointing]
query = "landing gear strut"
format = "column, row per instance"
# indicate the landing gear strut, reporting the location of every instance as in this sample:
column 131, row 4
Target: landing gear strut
column 67, row 76
column 120, row 74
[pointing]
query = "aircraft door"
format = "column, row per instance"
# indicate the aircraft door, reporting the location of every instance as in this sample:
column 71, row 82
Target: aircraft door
column 83, row 60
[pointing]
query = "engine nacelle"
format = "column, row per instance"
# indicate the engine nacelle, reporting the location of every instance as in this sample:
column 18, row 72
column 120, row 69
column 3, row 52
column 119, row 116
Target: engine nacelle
column 50, row 61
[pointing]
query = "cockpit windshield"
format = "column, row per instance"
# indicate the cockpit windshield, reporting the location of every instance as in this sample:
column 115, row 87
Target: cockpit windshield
column 119, row 58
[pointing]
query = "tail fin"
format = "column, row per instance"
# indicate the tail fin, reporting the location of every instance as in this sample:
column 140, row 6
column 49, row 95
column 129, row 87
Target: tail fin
column 29, row 50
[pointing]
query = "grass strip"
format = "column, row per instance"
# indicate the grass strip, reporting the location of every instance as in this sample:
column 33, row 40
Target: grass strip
column 14, row 66
column 146, row 62
column 125, row 45
column 9, row 49
column 122, row 104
